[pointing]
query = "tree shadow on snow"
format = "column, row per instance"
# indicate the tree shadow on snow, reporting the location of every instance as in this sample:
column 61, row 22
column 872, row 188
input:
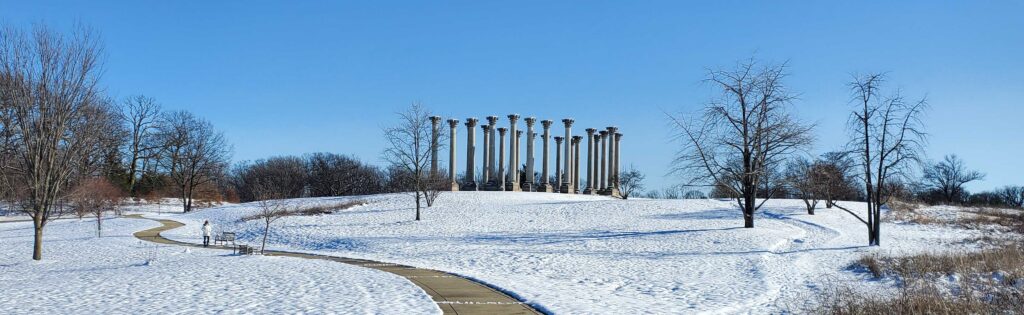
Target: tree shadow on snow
column 580, row 236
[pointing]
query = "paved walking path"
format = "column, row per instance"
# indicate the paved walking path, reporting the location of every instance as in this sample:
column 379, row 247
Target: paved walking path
column 452, row 293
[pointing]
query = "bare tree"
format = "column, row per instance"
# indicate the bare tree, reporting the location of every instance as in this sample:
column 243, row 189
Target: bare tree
column 408, row 150
column 805, row 182
column 192, row 153
column 949, row 176
column 141, row 115
column 1012, row 196
column 742, row 136
column 96, row 196
column 271, row 208
column 631, row 182
column 835, row 178
column 48, row 87
column 888, row 137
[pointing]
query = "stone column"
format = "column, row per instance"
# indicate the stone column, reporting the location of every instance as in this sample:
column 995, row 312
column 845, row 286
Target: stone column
column 492, row 124
column 567, row 186
column 512, row 183
column 529, row 182
column 613, row 172
column 576, row 140
column 500, row 178
column 558, row 162
column 435, row 134
column 545, row 186
column 487, row 156
column 619, row 154
column 602, row 174
column 469, row 184
column 453, row 123
column 590, row 161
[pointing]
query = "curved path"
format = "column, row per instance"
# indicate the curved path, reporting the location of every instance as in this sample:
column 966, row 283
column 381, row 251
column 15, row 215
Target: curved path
column 452, row 293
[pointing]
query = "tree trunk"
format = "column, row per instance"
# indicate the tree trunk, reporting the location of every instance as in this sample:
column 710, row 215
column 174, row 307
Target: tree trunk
column 263, row 246
column 37, row 249
column 748, row 210
column 99, row 225
column 417, row 206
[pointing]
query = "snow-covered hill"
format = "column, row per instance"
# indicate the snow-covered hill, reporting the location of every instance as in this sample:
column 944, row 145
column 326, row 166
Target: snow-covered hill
column 588, row 254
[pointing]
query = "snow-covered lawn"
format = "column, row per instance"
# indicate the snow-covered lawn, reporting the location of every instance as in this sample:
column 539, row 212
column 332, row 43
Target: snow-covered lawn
column 119, row 274
column 589, row 254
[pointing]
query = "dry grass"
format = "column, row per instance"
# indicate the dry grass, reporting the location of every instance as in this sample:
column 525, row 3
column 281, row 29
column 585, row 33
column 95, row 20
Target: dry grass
column 985, row 282
column 317, row 209
column 1010, row 218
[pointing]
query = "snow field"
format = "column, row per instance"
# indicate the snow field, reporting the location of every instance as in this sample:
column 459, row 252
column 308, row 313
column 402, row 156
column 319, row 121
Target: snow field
column 591, row 255
column 119, row 274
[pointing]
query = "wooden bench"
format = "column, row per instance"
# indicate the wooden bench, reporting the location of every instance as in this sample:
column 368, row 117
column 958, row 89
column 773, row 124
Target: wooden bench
column 224, row 238
column 242, row 249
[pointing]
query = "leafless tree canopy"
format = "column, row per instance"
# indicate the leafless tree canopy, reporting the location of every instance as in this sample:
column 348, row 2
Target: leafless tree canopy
column 271, row 206
column 888, row 138
column 96, row 196
column 742, row 136
column 948, row 177
column 804, row 180
column 192, row 153
column 631, row 182
column 408, row 150
column 50, row 99
column 141, row 115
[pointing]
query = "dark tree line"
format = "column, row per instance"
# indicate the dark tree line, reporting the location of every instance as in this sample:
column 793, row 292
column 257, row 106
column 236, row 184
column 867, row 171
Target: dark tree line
column 313, row 175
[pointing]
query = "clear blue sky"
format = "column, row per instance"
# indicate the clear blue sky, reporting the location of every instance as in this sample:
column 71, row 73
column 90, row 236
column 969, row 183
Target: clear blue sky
column 304, row 76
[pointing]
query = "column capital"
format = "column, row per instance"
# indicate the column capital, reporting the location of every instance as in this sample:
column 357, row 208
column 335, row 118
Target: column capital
column 597, row 137
column 471, row 122
column 591, row 131
column 568, row 122
column 576, row 139
column 453, row 123
column 435, row 119
column 613, row 129
column 604, row 133
column 513, row 118
column 558, row 139
column 618, row 136
column 502, row 130
column 486, row 128
column 519, row 133
column 547, row 123
column 530, row 121
column 492, row 120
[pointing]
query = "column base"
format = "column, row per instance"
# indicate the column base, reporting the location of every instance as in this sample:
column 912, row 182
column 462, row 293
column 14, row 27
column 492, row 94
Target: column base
column 544, row 187
column 454, row 186
column 590, row 191
column 528, row 186
column 493, row 186
column 611, row 191
column 468, row 186
column 510, row 186
column 567, row 189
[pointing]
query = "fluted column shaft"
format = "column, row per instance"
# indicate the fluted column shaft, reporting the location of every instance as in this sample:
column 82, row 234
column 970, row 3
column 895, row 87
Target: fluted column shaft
column 492, row 123
column 576, row 140
column 590, row 160
column 453, row 123
column 530, row 135
column 500, row 179
column 487, row 156
column 435, row 134
column 469, row 183
column 567, row 174
column 619, row 154
column 512, row 182
column 558, row 162
column 544, row 182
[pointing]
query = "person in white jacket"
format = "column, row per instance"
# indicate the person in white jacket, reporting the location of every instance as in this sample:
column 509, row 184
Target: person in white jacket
column 207, row 231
